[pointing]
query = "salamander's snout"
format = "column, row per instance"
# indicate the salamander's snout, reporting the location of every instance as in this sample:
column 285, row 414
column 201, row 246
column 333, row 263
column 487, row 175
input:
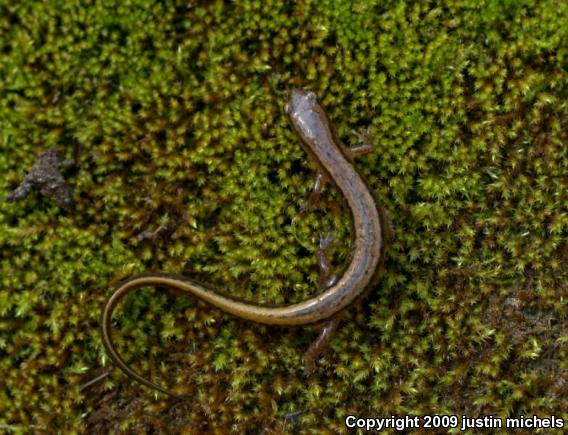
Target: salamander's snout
column 300, row 100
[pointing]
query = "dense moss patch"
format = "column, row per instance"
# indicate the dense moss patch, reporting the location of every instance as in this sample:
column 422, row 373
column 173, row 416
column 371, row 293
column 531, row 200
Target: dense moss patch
column 184, row 163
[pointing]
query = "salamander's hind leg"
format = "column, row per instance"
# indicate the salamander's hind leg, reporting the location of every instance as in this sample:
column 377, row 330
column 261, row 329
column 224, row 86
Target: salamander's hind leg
column 319, row 346
column 327, row 279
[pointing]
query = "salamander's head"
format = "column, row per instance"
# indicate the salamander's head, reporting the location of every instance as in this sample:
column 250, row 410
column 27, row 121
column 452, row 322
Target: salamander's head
column 300, row 101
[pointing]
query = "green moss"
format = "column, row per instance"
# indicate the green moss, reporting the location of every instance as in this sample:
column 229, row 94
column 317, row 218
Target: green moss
column 173, row 112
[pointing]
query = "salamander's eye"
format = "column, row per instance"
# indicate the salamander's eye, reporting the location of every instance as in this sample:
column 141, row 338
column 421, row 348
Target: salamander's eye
column 311, row 97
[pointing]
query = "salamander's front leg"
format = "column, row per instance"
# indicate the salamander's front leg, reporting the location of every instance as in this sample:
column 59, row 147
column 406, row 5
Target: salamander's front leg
column 327, row 279
column 321, row 180
column 366, row 145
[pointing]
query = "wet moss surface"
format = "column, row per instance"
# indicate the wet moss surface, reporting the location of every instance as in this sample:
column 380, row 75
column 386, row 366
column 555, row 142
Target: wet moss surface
column 184, row 162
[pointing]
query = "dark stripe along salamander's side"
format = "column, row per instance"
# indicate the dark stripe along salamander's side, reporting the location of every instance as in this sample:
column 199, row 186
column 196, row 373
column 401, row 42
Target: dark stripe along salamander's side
column 311, row 123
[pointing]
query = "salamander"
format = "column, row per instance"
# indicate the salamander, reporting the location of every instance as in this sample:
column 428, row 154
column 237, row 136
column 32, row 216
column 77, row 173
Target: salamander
column 336, row 163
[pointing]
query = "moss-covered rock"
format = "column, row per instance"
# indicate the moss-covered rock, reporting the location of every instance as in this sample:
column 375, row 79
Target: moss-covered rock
column 184, row 163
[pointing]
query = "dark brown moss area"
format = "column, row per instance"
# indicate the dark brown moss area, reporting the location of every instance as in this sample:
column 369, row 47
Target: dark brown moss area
column 184, row 163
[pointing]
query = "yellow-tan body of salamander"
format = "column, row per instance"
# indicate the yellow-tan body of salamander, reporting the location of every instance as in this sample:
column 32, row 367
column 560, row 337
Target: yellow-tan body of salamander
column 312, row 125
